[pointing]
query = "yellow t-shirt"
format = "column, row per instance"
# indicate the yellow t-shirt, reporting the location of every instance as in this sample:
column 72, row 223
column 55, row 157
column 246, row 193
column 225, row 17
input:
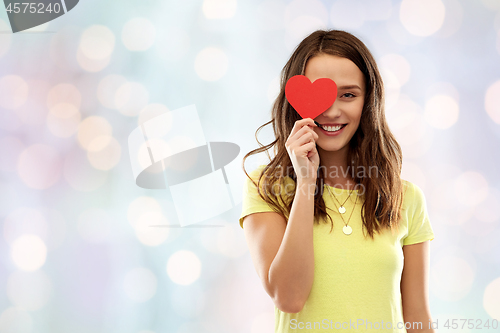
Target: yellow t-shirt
column 357, row 280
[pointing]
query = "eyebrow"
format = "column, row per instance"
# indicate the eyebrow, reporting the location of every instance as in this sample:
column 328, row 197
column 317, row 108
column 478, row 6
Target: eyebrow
column 350, row 87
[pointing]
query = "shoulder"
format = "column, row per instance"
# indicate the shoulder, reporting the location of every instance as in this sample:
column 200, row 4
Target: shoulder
column 278, row 184
column 411, row 188
column 413, row 195
column 256, row 173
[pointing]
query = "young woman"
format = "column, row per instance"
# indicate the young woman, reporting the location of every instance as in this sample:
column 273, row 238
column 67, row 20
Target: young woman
column 337, row 238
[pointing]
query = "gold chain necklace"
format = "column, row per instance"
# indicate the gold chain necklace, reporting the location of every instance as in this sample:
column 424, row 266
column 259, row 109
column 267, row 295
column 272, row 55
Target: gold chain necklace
column 346, row 229
column 341, row 208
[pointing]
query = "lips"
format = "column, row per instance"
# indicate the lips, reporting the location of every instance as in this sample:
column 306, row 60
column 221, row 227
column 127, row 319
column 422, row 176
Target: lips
column 332, row 124
column 324, row 126
column 338, row 132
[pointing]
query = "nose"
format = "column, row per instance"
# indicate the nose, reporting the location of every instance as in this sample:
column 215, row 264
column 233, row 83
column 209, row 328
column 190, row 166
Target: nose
column 334, row 111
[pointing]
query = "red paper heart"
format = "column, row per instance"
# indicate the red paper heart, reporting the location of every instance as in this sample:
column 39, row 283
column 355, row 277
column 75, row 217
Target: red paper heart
column 310, row 99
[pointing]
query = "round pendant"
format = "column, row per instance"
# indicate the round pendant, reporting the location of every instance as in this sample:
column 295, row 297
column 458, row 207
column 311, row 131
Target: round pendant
column 341, row 209
column 347, row 230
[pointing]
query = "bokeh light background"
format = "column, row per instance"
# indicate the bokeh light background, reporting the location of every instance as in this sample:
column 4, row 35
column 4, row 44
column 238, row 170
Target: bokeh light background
column 77, row 250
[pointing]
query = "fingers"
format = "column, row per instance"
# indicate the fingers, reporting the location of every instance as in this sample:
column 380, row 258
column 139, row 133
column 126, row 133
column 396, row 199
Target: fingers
column 299, row 124
column 305, row 149
column 305, row 138
column 300, row 129
column 301, row 147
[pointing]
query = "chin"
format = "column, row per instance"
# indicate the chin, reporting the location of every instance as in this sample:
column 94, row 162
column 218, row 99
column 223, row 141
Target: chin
column 331, row 147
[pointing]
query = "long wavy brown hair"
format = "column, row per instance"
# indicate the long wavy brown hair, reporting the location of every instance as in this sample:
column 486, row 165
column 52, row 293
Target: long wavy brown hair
column 372, row 144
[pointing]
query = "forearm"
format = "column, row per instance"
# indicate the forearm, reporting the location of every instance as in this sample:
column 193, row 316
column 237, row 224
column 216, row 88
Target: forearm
column 414, row 323
column 291, row 273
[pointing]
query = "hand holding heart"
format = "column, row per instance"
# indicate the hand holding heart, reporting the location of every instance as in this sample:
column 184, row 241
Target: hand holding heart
column 310, row 99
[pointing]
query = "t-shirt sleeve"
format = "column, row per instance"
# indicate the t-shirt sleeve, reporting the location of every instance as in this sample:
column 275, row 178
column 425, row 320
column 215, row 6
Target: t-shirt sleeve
column 419, row 225
column 251, row 201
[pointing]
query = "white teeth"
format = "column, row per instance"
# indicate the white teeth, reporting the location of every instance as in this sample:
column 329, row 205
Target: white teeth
column 332, row 128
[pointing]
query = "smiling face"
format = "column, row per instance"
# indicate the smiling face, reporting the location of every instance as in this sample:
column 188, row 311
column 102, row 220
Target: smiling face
column 347, row 108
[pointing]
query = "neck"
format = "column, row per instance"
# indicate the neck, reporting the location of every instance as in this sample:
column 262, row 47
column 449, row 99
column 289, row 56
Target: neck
column 335, row 168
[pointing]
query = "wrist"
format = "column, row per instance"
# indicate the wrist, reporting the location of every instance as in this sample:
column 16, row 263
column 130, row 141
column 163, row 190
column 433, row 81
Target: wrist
column 307, row 187
column 306, row 182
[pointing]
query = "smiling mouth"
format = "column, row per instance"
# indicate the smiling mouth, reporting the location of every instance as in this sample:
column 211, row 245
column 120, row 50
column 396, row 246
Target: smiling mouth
column 333, row 129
